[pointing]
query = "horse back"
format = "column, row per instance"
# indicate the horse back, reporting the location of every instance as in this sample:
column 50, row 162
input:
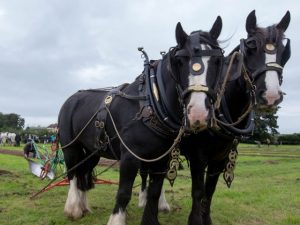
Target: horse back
column 76, row 112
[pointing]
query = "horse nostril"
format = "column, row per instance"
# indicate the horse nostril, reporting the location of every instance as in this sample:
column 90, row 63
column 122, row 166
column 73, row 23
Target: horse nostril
column 189, row 109
column 282, row 93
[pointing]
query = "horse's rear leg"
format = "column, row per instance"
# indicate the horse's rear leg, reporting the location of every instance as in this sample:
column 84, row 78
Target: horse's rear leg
column 128, row 172
column 76, row 205
column 154, row 191
column 163, row 205
column 80, row 182
column 143, row 190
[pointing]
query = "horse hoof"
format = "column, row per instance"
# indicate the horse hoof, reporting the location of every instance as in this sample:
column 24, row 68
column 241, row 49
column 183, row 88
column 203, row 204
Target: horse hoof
column 164, row 208
column 117, row 219
column 74, row 214
column 207, row 220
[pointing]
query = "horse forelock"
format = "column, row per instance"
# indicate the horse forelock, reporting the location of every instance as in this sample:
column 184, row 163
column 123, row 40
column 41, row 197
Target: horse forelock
column 205, row 38
column 269, row 34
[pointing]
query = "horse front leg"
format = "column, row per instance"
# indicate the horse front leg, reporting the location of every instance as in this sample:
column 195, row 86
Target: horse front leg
column 153, row 195
column 212, row 176
column 198, row 192
column 128, row 172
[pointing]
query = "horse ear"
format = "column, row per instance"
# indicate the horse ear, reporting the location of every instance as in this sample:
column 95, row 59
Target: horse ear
column 216, row 28
column 251, row 23
column 286, row 53
column 181, row 36
column 285, row 21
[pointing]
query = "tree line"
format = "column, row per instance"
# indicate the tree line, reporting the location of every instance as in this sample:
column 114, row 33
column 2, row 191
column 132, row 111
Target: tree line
column 14, row 123
column 265, row 128
column 11, row 122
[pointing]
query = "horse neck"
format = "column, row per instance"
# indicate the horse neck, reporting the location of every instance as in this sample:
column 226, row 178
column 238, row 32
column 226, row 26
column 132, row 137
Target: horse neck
column 170, row 87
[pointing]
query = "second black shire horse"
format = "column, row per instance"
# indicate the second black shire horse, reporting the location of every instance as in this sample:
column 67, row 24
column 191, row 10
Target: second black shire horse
column 261, row 57
column 138, row 122
column 209, row 152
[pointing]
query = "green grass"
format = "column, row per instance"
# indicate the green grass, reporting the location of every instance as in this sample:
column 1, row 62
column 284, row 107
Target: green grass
column 266, row 191
column 20, row 148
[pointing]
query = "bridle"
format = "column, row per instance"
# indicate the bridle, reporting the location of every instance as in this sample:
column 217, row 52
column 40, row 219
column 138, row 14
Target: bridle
column 250, row 78
column 269, row 48
column 196, row 67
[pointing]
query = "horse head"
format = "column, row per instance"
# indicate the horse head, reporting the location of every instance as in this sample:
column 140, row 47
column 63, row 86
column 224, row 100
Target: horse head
column 266, row 51
column 198, row 60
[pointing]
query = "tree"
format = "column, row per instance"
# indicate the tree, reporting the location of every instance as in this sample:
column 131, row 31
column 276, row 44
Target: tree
column 11, row 122
column 265, row 126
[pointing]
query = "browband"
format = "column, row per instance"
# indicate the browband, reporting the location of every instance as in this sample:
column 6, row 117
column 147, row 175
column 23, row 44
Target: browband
column 210, row 52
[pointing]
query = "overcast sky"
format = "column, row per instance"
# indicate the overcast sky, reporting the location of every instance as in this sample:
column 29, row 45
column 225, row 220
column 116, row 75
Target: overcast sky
column 50, row 49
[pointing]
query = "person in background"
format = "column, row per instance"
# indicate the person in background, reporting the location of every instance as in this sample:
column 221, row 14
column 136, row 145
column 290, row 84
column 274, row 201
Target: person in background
column 29, row 147
column 52, row 138
column 18, row 140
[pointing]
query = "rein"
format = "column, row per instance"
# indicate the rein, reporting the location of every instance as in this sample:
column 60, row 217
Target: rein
column 119, row 93
column 226, row 78
column 220, row 95
column 130, row 97
column 175, row 143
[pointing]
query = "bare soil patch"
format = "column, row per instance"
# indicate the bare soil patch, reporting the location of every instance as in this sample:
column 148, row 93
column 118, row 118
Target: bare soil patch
column 103, row 161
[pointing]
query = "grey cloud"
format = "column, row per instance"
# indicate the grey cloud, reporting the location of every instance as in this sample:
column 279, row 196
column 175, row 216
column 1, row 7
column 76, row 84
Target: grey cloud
column 51, row 49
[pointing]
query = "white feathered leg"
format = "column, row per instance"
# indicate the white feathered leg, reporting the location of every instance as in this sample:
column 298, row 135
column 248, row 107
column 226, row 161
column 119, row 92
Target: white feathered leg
column 73, row 206
column 117, row 219
column 142, row 198
column 84, row 202
column 163, row 205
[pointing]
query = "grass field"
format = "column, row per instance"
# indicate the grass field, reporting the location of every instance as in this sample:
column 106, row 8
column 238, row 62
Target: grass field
column 266, row 191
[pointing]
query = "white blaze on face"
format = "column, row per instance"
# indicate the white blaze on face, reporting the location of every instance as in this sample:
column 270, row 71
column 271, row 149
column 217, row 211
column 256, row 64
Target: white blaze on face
column 272, row 82
column 197, row 111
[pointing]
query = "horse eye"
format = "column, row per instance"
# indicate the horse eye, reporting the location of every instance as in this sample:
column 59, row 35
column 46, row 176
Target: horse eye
column 251, row 44
column 180, row 60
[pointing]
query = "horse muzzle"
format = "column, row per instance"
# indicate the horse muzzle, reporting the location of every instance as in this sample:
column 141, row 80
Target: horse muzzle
column 197, row 121
column 269, row 102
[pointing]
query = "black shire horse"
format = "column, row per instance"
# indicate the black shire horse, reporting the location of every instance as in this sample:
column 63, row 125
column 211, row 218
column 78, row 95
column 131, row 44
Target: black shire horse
column 264, row 57
column 138, row 122
column 261, row 58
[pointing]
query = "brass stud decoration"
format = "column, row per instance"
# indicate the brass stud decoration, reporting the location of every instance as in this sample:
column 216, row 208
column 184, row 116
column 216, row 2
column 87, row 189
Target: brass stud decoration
column 155, row 92
column 196, row 67
column 270, row 47
column 99, row 124
column 108, row 99
column 173, row 165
